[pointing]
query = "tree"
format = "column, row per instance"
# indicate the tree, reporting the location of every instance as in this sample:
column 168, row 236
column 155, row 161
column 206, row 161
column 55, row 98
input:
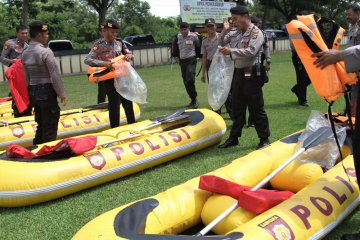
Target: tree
column 101, row 7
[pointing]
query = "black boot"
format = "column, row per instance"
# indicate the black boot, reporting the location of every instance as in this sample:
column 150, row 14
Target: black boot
column 230, row 142
column 193, row 104
column 263, row 143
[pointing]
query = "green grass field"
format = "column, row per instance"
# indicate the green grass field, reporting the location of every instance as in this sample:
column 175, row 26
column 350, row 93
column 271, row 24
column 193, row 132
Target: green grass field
column 62, row 218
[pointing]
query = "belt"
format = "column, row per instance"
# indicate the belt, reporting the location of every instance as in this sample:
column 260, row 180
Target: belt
column 41, row 86
column 187, row 59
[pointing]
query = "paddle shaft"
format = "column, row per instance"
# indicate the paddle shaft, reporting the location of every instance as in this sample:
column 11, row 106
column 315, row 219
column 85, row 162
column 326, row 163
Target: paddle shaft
column 254, row 189
column 176, row 123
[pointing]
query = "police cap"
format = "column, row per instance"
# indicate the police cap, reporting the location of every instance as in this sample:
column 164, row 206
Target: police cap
column 111, row 23
column 102, row 25
column 38, row 26
column 184, row 25
column 239, row 10
column 209, row 21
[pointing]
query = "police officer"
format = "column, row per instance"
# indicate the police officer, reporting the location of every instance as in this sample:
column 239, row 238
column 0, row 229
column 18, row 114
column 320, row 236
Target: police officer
column 101, row 97
column 44, row 83
column 302, row 78
column 351, row 57
column 265, row 58
column 247, row 81
column 100, row 56
column 189, row 48
column 12, row 50
column 208, row 46
column 230, row 38
column 353, row 16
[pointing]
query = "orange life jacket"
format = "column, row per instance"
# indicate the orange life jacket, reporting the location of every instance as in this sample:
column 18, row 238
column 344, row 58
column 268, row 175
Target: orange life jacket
column 345, row 78
column 325, row 81
column 97, row 74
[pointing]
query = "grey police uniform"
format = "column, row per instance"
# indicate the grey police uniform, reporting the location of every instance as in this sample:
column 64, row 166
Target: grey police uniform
column 45, row 85
column 101, row 97
column 352, row 64
column 208, row 48
column 231, row 39
column 247, row 84
column 187, row 54
column 12, row 49
column 354, row 39
column 102, row 51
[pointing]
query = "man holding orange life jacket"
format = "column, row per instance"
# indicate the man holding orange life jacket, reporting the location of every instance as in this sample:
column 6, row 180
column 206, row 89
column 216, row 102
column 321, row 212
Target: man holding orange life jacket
column 351, row 57
column 352, row 16
column 101, row 97
column 100, row 55
column 248, row 78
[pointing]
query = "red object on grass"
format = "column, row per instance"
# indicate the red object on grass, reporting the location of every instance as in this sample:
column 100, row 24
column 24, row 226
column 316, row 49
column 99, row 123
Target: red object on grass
column 77, row 146
column 257, row 202
column 18, row 86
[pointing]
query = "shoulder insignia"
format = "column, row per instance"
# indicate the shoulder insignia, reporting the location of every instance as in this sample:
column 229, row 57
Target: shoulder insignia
column 6, row 45
column 95, row 47
column 254, row 34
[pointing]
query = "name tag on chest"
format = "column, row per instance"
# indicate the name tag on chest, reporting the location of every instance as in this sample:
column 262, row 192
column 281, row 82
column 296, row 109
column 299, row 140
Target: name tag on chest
column 189, row 42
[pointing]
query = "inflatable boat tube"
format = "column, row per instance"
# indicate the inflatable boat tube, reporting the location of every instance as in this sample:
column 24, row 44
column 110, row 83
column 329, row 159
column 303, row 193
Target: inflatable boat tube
column 22, row 130
column 320, row 202
column 34, row 181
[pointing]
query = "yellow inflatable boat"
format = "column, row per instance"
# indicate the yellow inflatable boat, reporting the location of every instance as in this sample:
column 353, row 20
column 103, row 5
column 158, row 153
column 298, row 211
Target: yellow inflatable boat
column 5, row 109
column 119, row 152
column 73, row 122
column 321, row 201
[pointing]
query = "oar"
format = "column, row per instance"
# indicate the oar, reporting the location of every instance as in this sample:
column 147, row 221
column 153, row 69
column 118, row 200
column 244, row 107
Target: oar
column 165, row 125
column 316, row 138
column 85, row 109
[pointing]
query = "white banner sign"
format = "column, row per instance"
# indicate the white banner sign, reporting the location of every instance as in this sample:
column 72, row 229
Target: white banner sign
column 196, row 11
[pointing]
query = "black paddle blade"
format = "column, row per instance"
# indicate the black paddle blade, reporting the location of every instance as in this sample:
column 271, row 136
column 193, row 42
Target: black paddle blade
column 169, row 116
column 176, row 122
column 318, row 137
column 97, row 106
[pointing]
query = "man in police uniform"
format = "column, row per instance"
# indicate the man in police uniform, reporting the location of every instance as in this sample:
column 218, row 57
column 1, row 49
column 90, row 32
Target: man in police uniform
column 231, row 37
column 351, row 57
column 101, row 54
column 302, row 78
column 208, row 47
column 101, row 97
column 188, row 46
column 247, row 81
column 12, row 50
column 44, row 83
column 353, row 17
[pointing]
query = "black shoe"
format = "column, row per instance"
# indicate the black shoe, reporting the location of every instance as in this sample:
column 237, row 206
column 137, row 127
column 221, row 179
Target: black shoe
column 250, row 125
column 263, row 143
column 229, row 143
column 193, row 104
column 303, row 103
column 218, row 111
